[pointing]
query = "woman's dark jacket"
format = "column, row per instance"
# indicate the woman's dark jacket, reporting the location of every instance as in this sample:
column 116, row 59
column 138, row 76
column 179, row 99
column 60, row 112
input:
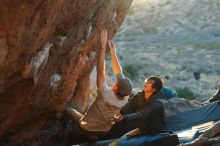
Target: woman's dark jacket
column 146, row 114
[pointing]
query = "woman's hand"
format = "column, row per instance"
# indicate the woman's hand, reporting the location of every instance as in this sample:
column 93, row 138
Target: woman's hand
column 118, row 118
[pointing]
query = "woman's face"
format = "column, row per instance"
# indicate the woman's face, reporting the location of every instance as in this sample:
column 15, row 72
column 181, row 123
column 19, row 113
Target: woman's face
column 148, row 85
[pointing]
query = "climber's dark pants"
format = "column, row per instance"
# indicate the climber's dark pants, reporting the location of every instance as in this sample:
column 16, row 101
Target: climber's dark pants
column 77, row 131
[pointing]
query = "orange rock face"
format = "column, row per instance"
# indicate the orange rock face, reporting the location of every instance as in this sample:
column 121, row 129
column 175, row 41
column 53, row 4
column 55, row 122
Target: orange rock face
column 47, row 52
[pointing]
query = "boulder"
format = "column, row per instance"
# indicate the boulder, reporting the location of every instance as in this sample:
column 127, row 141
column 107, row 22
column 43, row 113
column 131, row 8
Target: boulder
column 47, row 51
column 175, row 105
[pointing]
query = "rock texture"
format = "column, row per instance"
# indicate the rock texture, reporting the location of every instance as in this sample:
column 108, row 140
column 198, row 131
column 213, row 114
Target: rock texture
column 175, row 105
column 47, row 52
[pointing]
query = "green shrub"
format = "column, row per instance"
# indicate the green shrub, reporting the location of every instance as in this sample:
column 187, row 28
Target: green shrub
column 185, row 93
column 207, row 45
column 149, row 29
column 167, row 77
column 130, row 71
column 146, row 74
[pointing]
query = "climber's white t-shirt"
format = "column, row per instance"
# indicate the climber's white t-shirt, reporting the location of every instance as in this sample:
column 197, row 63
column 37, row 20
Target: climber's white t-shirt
column 110, row 97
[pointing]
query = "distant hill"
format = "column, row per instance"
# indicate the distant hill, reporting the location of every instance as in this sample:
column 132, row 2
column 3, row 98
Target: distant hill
column 172, row 39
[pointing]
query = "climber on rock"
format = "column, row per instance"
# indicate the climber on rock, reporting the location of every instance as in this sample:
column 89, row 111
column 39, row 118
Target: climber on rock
column 109, row 100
